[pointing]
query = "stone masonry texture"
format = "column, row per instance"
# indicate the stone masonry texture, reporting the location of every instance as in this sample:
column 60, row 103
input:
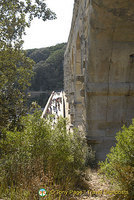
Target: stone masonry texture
column 99, row 70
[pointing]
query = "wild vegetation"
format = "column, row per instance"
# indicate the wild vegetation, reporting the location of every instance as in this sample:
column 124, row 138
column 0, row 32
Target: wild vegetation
column 33, row 152
column 119, row 164
column 40, row 155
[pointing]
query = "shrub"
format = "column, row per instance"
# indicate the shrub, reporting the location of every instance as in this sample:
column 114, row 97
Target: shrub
column 119, row 164
column 67, row 155
column 40, row 150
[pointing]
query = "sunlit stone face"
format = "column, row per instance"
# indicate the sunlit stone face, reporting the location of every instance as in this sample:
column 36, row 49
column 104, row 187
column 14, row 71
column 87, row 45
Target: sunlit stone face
column 101, row 50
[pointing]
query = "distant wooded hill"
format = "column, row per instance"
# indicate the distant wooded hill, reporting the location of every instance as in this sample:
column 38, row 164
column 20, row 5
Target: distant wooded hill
column 48, row 72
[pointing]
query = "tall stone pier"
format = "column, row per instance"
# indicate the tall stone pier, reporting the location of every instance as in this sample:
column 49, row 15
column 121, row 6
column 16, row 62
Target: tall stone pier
column 99, row 70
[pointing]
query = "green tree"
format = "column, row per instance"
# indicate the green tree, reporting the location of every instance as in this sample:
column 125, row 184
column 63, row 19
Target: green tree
column 15, row 75
column 16, row 15
column 15, row 67
column 119, row 164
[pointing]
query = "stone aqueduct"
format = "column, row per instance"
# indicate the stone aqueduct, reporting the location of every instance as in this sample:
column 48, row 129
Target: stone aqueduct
column 99, row 70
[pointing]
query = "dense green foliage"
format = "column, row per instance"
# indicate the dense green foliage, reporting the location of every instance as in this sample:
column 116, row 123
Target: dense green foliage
column 15, row 74
column 48, row 70
column 15, row 68
column 16, row 15
column 40, row 150
column 119, row 164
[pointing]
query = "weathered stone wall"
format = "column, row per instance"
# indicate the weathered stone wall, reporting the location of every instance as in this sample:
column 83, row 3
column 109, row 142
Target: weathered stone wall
column 99, row 70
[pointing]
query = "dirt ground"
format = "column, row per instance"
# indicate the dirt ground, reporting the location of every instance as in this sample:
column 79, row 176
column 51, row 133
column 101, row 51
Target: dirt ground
column 98, row 188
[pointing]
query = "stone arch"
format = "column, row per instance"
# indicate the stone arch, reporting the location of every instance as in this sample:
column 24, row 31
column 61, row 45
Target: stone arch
column 78, row 83
column 78, row 55
column 78, row 71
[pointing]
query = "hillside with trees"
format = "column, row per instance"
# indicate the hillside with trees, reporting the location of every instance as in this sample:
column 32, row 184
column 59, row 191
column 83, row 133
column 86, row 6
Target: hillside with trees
column 48, row 72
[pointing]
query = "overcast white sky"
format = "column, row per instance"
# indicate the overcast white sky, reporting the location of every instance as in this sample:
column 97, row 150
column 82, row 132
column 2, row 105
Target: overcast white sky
column 48, row 33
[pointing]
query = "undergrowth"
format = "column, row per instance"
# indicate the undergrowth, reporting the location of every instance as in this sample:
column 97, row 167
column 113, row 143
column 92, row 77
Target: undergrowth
column 41, row 155
column 119, row 164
